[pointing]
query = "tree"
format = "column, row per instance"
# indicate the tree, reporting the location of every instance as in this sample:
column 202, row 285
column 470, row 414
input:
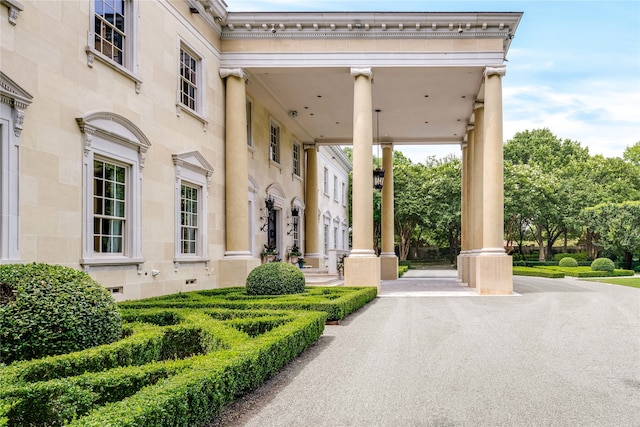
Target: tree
column 632, row 154
column 554, row 165
column 443, row 190
column 410, row 198
column 616, row 227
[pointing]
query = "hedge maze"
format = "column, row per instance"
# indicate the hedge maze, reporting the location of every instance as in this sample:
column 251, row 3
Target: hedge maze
column 181, row 360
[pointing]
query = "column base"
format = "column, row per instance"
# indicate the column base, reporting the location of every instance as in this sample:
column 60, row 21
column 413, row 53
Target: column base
column 234, row 271
column 388, row 266
column 493, row 274
column 362, row 271
column 464, row 268
column 313, row 260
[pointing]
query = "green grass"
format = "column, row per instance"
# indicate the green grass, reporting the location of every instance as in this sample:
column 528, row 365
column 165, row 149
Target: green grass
column 633, row 282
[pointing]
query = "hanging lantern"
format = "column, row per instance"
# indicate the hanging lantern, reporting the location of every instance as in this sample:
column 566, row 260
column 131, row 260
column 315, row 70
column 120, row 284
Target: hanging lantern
column 378, row 173
column 378, row 178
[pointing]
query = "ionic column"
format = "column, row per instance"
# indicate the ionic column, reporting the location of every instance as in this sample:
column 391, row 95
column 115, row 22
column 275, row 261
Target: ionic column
column 311, row 226
column 388, row 258
column 362, row 267
column 493, row 164
column 475, row 197
column 494, row 267
column 234, row 272
column 464, row 209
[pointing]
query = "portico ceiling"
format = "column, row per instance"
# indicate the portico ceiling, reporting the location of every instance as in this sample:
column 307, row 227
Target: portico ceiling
column 425, row 97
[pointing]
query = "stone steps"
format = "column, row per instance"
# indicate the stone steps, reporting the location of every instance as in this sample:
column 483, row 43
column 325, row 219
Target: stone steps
column 321, row 277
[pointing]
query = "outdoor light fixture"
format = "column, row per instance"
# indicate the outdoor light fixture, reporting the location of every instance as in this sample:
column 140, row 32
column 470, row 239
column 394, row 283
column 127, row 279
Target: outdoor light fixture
column 378, row 173
column 294, row 211
column 268, row 203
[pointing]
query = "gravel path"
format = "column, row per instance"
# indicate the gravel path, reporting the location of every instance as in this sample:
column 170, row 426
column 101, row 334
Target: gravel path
column 560, row 352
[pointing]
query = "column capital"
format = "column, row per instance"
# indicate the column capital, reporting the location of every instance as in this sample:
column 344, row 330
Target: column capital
column 386, row 145
column 476, row 105
column 236, row 72
column 310, row 146
column 355, row 72
column 500, row 71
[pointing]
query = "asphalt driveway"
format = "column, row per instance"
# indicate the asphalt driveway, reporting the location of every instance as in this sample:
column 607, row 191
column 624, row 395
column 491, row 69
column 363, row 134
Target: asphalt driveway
column 559, row 352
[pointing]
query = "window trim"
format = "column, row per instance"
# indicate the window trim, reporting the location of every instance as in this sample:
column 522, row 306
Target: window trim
column 325, row 181
column 130, row 68
column 115, row 138
column 200, row 111
column 297, row 163
column 249, row 112
column 13, row 101
column 192, row 169
column 273, row 124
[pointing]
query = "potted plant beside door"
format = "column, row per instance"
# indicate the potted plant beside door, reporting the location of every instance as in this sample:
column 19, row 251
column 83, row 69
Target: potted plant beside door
column 269, row 253
column 293, row 254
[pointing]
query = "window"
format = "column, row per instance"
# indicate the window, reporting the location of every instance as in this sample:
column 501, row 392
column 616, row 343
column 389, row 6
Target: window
column 326, row 181
column 110, row 31
column 249, row 122
column 335, row 237
column 114, row 151
column 326, row 238
column 193, row 175
column 274, row 143
column 14, row 101
column 296, row 159
column 113, row 34
column 189, row 80
column 188, row 219
column 109, row 206
column 344, row 194
column 335, row 188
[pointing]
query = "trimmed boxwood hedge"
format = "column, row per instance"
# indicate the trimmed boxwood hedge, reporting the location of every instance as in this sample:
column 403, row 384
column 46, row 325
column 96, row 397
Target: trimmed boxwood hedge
column 602, row 264
column 538, row 272
column 50, row 309
column 228, row 353
column 568, row 262
column 337, row 302
column 275, row 278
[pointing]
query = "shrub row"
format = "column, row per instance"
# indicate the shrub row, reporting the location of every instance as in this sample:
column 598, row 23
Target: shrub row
column 538, row 272
column 402, row 269
column 191, row 368
column 587, row 272
column 337, row 302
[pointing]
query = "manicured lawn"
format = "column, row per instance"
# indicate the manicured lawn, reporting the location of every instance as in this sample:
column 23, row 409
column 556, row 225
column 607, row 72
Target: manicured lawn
column 633, row 282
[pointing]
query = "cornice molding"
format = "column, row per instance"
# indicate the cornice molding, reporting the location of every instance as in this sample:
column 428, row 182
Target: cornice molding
column 11, row 93
column 369, row 25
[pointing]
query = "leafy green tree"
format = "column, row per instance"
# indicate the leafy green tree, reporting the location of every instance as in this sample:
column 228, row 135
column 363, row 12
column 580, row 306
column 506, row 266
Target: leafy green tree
column 632, row 154
column 616, row 228
column 409, row 204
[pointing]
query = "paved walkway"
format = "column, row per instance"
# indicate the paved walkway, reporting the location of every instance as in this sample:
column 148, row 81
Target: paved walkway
column 562, row 352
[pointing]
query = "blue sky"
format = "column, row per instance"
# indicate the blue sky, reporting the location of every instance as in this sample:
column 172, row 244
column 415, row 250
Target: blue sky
column 573, row 67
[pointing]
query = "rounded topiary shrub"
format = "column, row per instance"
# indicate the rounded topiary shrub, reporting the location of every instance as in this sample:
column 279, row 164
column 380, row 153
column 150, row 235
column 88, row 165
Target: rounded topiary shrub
column 602, row 264
column 49, row 309
column 568, row 262
column 275, row 278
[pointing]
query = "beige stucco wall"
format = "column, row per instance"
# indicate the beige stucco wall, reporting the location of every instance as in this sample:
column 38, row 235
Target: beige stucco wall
column 45, row 54
column 267, row 174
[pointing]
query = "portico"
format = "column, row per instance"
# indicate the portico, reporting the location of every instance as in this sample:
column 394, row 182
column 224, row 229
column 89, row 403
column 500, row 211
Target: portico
column 436, row 77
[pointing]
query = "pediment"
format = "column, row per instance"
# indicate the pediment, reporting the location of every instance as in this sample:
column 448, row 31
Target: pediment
column 193, row 160
column 12, row 93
